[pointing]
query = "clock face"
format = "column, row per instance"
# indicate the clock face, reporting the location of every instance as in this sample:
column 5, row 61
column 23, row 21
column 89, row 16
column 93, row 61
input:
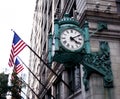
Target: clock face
column 72, row 39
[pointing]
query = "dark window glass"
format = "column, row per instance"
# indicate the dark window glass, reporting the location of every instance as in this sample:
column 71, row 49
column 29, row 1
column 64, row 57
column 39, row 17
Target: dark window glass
column 58, row 91
column 49, row 94
column 58, row 10
column 118, row 6
column 73, row 9
column 77, row 78
column 117, row 0
column 57, row 88
column 74, row 77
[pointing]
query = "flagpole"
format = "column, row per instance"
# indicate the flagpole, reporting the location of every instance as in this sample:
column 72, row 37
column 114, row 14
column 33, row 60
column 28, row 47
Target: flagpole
column 33, row 74
column 24, row 44
column 50, row 68
column 25, row 94
column 30, row 88
column 30, row 70
column 12, row 30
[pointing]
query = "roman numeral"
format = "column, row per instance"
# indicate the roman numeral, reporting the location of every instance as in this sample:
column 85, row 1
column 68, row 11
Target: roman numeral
column 67, row 31
column 72, row 46
column 64, row 34
column 68, row 44
column 63, row 37
column 77, row 45
column 71, row 31
column 64, row 42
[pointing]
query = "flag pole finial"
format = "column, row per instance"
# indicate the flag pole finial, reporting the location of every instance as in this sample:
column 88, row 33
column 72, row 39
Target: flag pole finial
column 11, row 29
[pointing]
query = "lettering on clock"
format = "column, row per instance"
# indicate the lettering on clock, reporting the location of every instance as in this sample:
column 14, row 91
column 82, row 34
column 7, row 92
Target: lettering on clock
column 67, row 31
column 63, row 38
column 77, row 45
column 71, row 31
column 64, row 42
column 72, row 46
column 64, row 34
column 68, row 45
column 72, row 39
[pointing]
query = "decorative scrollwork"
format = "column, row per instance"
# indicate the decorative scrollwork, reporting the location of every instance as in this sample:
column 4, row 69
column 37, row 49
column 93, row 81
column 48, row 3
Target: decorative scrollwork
column 99, row 62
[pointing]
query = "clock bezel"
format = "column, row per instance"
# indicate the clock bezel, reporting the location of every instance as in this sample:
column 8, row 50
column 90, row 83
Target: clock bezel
column 76, row 29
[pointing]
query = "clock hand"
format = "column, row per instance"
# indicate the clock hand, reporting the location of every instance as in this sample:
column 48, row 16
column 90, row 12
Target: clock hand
column 76, row 36
column 71, row 38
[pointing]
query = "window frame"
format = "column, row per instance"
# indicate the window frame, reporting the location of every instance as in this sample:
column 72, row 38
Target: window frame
column 118, row 6
column 72, row 81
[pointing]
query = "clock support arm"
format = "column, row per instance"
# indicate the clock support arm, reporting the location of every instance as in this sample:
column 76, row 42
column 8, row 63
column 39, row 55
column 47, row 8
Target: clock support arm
column 98, row 62
column 100, row 27
column 93, row 62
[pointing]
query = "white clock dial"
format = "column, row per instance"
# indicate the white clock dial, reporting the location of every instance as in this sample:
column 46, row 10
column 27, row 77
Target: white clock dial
column 72, row 39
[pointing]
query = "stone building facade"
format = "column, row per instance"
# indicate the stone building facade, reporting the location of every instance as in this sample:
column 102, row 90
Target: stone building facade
column 93, row 11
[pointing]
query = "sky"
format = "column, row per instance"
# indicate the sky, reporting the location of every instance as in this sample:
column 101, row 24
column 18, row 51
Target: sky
column 16, row 15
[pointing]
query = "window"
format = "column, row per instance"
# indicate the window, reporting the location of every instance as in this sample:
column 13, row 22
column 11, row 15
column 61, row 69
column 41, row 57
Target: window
column 57, row 85
column 59, row 6
column 71, row 79
column 58, row 10
column 118, row 6
column 43, row 77
column 73, row 9
column 74, row 78
column 49, row 93
column 58, row 90
column 36, row 5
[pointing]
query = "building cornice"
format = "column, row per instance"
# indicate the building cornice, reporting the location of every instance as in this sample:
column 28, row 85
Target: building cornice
column 112, row 20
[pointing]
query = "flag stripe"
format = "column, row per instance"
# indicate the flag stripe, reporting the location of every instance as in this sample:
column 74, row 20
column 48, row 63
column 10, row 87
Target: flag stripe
column 17, row 46
column 19, row 49
column 19, row 70
column 11, row 59
column 18, row 67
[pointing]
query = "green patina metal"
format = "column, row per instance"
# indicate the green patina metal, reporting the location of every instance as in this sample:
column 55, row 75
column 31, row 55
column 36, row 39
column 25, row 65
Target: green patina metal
column 98, row 62
column 67, row 20
column 56, row 32
column 87, row 37
column 50, row 39
column 68, row 23
column 101, row 26
column 93, row 62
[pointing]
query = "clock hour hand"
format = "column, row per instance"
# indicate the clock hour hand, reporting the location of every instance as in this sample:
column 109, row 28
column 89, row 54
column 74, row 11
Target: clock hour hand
column 71, row 38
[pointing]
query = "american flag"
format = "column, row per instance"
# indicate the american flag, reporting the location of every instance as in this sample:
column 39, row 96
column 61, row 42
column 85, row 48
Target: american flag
column 17, row 66
column 17, row 46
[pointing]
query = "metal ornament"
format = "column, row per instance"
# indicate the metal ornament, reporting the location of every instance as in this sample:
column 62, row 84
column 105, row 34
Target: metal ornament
column 98, row 62
column 93, row 62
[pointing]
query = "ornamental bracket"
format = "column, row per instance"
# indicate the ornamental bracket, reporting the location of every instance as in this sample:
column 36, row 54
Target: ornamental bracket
column 100, row 63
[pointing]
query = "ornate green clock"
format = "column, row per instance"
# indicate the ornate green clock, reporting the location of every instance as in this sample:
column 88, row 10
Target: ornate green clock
column 72, row 46
column 72, row 40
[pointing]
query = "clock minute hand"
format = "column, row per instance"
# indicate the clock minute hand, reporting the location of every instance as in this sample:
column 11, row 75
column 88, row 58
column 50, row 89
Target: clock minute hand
column 76, row 36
